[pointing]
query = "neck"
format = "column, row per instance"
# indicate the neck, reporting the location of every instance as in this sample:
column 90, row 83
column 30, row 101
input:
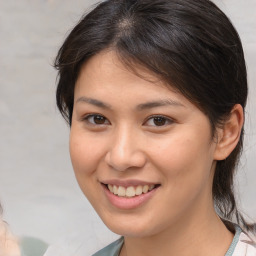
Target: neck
column 196, row 236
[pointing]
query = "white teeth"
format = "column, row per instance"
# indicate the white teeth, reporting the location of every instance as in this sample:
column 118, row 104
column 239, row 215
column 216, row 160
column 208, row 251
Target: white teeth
column 138, row 190
column 115, row 189
column 151, row 187
column 130, row 191
column 121, row 191
column 145, row 189
column 110, row 187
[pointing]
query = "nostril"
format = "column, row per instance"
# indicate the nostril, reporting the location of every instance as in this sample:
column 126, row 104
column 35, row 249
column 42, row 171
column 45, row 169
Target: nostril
column 122, row 161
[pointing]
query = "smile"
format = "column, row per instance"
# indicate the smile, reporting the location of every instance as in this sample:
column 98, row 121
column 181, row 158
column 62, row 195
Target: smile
column 127, row 195
column 130, row 191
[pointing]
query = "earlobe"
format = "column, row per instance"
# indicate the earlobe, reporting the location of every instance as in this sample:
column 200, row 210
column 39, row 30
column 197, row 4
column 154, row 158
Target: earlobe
column 229, row 134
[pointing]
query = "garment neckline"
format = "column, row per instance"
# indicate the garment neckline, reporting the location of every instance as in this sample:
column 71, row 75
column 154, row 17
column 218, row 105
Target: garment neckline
column 235, row 240
column 230, row 251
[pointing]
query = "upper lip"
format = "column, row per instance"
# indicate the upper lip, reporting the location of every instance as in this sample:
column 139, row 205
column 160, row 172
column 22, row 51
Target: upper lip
column 127, row 183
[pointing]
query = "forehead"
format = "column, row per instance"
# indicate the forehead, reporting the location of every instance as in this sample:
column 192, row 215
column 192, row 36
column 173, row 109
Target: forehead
column 108, row 62
column 106, row 71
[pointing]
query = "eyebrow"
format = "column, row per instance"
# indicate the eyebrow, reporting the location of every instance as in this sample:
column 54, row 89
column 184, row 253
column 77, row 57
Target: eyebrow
column 94, row 102
column 140, row 107
column 159, row 103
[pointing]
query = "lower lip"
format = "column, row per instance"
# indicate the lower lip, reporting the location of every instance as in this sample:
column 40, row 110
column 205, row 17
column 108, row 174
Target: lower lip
column 128, row 203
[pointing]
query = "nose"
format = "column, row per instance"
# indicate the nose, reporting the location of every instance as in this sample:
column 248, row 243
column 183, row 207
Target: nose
column 126, row 151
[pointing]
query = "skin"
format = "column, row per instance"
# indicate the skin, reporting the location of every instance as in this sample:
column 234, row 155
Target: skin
column 179, row 154
column 8, row 243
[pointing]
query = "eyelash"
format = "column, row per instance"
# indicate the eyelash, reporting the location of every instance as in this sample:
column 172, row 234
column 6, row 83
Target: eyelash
column 166, row 120
column 87, row 119
column 154, row 118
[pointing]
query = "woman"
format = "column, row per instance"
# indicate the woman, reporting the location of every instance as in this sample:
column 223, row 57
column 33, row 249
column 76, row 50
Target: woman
column 8, row 243
column 154, row 92
column 12, row 246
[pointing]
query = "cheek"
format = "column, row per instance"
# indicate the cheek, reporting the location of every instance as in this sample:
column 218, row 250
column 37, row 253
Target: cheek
column 182, row 153
column 85, row 152
column 185, row 162
column 86, row 155
column 186, row 171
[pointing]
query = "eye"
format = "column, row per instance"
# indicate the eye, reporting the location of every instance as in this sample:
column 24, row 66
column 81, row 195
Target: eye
column 96, row 119
column 158, row 121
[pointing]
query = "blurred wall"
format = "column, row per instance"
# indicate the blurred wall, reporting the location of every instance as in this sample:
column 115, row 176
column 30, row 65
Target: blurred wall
column 37, row 186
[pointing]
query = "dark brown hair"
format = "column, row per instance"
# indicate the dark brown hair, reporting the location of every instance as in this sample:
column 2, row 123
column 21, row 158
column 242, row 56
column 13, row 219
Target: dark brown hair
column 190, row 44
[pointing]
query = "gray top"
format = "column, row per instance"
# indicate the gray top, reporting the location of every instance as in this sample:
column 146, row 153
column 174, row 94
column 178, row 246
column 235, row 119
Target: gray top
column 114, row 248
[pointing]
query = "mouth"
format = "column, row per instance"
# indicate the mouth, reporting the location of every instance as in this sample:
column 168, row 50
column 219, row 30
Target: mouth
column 130, row 191
column 129, row 194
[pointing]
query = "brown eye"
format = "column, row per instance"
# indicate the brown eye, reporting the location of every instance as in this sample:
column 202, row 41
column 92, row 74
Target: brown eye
column 159, row 121
column 99, row 119
column 96, row 119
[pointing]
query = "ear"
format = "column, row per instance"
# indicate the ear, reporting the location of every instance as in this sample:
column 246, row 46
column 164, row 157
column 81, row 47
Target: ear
column 229, row 134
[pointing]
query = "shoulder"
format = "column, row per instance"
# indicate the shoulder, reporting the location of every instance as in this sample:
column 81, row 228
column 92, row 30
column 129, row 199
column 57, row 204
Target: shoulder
column 78, row 245
column 112, row 249
column 246, row 245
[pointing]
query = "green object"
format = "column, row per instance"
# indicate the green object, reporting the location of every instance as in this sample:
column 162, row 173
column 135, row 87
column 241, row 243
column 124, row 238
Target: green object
column 31, row 246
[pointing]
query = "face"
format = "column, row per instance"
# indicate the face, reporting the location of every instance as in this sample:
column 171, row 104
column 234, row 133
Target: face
column 142, row 153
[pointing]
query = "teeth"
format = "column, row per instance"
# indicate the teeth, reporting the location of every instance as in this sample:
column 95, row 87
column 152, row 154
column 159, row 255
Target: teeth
column 121, row 191
column 145, row 189
column 110, row 187
column 130, row 191
column 115, row 189
column 151, row 187
column 138, row 190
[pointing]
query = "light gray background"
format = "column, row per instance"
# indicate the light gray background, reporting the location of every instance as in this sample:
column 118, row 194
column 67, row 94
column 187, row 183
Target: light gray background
column 37, row 187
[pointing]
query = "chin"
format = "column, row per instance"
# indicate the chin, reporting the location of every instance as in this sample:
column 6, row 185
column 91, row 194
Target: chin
column 130, row 227
column 129, row 231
